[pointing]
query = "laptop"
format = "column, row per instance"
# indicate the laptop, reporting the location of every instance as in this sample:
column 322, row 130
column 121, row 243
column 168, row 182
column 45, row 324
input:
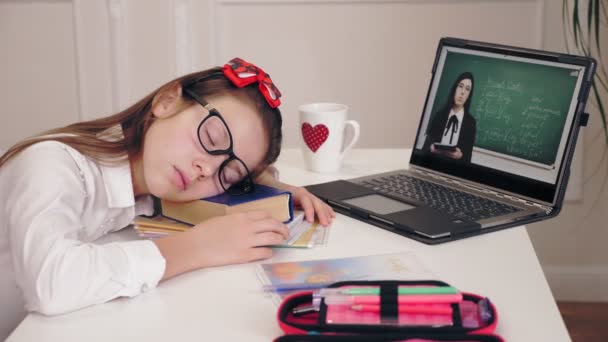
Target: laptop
column 493, row 148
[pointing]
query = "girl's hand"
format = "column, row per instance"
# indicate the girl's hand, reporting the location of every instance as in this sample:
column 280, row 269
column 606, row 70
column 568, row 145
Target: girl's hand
column 456, row 154
column 312, row 205
column 236, row 238
column 222, row 240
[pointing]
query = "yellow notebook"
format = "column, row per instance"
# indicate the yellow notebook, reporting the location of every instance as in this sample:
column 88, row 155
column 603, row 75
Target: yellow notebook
column 160, row 222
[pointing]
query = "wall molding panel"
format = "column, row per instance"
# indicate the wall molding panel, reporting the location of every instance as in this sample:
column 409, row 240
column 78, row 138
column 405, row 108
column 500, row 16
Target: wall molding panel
column 92, row 43
column 119, row 53
column 181, row 27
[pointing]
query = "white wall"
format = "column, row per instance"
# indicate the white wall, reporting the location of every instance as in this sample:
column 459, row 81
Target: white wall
column 71, row 60
column 572, row 247
column 32, row 99
column 376, row 56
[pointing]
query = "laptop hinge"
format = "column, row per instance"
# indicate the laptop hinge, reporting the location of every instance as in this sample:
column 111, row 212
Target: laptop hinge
column 545, row 208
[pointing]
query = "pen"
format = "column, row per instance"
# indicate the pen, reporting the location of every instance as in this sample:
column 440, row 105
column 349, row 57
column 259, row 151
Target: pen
column 412, row 309
column 346, row 299
column 485, row 312
column 301, row 310
column 403, row 290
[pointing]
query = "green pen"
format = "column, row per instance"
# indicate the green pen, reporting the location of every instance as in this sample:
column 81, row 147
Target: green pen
column 403, row 290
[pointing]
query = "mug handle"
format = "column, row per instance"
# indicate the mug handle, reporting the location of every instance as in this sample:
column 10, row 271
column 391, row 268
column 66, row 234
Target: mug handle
column 356, row 130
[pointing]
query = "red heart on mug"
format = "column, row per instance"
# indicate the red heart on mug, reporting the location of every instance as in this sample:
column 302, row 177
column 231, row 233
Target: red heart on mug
column 314, row 137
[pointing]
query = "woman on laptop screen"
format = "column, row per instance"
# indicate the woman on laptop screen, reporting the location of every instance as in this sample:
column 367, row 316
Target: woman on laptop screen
column 452, row 130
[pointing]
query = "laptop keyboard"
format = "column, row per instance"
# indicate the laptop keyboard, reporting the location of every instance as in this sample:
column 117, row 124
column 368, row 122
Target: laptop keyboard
column 461, row 204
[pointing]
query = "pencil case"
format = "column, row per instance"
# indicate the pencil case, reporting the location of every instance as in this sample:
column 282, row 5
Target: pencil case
column 416, row 311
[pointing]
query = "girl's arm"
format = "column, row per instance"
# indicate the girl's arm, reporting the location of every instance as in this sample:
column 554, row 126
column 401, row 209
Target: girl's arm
column 223, row 240
column 45, row 195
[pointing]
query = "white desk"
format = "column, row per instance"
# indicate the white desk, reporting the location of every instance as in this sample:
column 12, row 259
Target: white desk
column 226, row 304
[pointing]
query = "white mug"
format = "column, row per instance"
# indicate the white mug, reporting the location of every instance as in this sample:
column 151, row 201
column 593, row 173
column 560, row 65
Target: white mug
column 322, row 127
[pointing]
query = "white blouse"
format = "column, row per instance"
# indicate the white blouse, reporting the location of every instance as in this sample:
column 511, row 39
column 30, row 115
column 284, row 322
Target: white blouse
column 54, row 203
column 451, row 134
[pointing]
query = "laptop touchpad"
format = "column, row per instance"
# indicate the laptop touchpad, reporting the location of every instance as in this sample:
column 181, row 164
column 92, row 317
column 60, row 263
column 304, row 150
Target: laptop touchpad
column 379, row 204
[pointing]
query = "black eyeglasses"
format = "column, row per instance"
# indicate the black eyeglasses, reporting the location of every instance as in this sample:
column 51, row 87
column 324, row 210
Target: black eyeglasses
column 215, row 137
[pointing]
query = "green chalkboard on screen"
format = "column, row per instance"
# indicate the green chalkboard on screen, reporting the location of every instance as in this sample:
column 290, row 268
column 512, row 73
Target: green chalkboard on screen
column 520, row 108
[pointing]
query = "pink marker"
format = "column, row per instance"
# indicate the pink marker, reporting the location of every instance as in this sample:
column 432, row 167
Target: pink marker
column 428, row 299
column 411, row 309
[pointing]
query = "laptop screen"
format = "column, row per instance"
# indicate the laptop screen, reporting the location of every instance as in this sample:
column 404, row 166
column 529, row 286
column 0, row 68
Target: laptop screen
column 500, row 118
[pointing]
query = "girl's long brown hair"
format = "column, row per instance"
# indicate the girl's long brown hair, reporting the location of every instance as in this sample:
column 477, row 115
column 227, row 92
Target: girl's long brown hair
column 97, row 139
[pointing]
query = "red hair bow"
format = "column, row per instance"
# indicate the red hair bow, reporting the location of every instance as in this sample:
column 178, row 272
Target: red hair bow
column 242, row 74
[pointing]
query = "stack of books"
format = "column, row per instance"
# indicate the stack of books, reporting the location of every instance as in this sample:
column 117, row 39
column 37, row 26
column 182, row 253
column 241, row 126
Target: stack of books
column 274, row 201
column 176, row 217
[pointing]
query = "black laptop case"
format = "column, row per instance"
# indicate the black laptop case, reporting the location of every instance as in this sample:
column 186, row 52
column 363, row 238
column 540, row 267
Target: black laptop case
column 337, row 191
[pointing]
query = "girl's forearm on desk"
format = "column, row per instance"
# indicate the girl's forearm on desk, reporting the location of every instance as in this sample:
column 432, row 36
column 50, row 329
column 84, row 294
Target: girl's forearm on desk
column 222, row 240
column 178, row 251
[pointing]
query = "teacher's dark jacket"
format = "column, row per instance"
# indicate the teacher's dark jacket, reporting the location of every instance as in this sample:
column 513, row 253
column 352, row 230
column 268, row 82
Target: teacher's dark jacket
column 466, row 138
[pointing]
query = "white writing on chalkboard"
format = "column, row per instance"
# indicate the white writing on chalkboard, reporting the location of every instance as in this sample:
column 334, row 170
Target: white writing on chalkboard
column 516, row 121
